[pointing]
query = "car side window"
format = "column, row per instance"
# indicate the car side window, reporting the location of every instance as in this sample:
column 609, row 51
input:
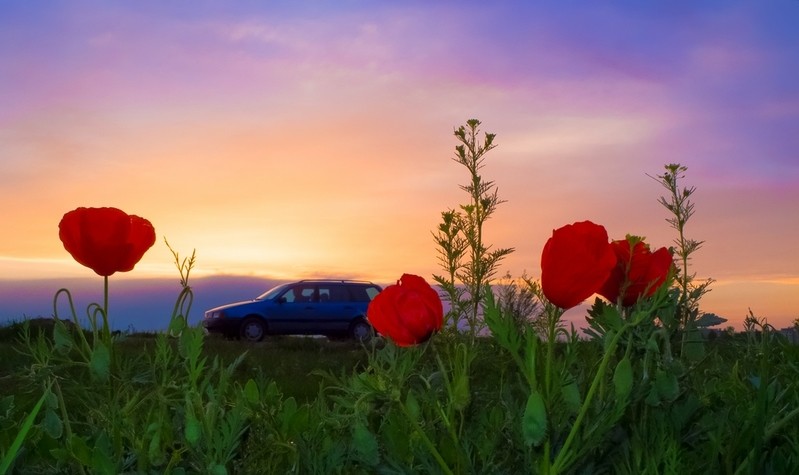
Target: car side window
column 338, row 293
column 300, row 294
column 324, row 293
column 371, row 292
column 363, row 293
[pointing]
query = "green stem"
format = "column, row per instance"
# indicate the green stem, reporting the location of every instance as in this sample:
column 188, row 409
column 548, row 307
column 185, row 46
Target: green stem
column 63, row 407
column 106, row 330
column 523, row 367
column 560, row 459
column 65, row 417
column 551, row 337
column 426, row 440
column 84, row 349
column 554, row 317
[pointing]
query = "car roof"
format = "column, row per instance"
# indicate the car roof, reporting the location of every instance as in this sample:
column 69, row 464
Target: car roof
column 335, row 281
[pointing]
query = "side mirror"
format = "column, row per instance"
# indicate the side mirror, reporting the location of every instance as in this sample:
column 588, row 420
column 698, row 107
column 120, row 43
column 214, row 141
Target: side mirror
column 281, row 300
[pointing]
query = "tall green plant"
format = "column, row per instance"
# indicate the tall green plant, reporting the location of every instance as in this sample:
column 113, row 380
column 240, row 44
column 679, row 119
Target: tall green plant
column 463, row 253
column 687, row 319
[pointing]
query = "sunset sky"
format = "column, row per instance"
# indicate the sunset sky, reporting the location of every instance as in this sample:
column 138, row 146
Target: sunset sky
column 314, row 139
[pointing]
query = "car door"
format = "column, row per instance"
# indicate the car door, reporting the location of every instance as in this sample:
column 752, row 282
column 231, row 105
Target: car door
column 296, row 311
column 335, row 310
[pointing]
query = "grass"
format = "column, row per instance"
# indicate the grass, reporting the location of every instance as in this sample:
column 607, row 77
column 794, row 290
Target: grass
column 293, row 362
column 340, row 407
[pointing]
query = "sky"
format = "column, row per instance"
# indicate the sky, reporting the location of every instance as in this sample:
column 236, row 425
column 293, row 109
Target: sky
column 283, row 139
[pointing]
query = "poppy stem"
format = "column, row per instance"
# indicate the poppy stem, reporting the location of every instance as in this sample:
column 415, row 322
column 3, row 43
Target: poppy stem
column 426, row 440
column 563, row 455
column 553, row 317
column 106, row 330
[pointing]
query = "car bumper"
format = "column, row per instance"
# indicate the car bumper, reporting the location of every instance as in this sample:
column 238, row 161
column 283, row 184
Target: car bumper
column 227, row 326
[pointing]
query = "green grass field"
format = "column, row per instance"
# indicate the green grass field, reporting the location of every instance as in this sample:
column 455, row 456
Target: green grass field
column 309, row 405
column 293, row 362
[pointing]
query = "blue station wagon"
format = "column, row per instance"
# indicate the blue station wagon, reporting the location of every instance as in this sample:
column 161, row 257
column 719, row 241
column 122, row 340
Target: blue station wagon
column 333, row 308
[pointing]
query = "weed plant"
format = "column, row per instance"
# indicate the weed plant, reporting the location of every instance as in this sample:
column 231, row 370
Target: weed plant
column 468, row 261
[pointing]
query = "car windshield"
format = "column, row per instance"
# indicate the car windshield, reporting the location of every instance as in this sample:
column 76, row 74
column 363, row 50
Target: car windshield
column 271, row 293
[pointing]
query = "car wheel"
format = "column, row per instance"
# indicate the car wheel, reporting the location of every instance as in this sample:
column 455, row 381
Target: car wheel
column 361, row 331
column 253, row 329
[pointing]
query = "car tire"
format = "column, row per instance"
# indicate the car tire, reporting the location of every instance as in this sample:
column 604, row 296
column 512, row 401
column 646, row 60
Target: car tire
column 253, row 329
column 361, row 331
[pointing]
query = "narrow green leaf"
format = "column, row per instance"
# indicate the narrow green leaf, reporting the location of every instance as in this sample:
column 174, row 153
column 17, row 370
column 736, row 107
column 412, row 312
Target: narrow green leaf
column 461, row 394
column 571, row 395
column 623, row 379
column 653, row 397
column 289, row 407
column 102, row 456
column 80, row 450
column 51, row 402
column 652, row 344
column 667, row 386
column 287, row 415
column 61, row 337
column 500, row 324
column 218, row 470
column 300, row 422
column 397, row 436
column 365, row 444
column 100, row 362
column 251, row 392
column 412, row 406
column 52, row 424
column 187, row 346
column 694, row 347
column 273, row 394
column 59, row 454
column 176, row 325
column 155, row 450
column 613, row 317
column 11, row 454
column 193, row 429
column 534, row 421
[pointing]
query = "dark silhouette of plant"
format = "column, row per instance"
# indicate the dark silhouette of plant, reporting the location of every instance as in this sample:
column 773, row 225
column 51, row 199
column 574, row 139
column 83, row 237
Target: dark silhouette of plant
column 518, row 298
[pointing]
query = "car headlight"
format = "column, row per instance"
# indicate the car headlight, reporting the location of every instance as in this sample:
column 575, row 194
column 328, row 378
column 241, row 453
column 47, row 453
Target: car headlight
column 214, row 314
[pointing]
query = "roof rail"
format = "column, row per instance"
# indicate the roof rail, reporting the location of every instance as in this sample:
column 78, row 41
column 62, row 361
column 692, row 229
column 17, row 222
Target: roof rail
column 343, row 281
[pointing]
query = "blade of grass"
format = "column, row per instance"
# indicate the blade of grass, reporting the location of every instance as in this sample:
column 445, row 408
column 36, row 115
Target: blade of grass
column 9, row 457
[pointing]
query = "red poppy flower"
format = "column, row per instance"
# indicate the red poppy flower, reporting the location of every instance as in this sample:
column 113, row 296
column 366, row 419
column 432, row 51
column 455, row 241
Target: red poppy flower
column 575, row 262
column 106, row 240
column 407, row 312
column 638, row 271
